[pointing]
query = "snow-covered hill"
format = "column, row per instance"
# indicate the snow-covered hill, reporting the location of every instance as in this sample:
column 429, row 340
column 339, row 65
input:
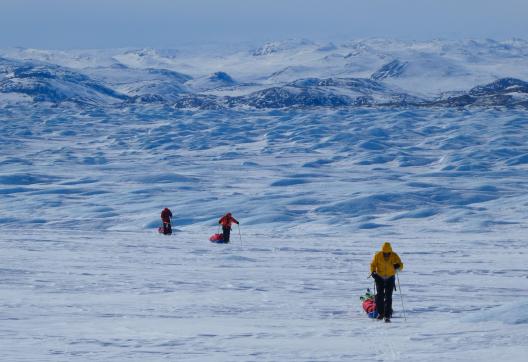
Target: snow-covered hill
column 212, row 81
column 428, row 73
column 54, row 84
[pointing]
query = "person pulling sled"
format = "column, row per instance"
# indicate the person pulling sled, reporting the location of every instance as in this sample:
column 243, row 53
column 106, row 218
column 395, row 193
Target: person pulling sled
column 226, row 222
column 166, row 216
column 385, row 264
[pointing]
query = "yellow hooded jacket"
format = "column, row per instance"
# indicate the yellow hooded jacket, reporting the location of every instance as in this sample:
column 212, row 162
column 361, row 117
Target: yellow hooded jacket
column 385, row 268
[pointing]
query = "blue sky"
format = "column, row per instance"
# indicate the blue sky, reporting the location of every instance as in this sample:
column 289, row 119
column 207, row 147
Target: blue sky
column 169, row 23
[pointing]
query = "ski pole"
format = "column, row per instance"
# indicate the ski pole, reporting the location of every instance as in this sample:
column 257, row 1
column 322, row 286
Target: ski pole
column 239, row 234
column 401, row 297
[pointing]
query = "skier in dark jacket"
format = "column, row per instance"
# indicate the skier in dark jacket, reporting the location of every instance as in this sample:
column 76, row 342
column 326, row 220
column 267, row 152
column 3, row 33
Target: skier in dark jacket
column 385, row 264
column 226, row 222
column 166, row 216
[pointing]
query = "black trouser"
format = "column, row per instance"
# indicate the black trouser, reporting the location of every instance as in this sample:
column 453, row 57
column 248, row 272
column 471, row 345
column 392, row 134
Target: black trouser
column 227, row 233
column 167, row 228
column 384, row 289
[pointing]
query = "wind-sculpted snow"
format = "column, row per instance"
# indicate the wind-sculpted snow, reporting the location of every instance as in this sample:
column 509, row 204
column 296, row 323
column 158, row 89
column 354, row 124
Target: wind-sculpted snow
column 290, row 168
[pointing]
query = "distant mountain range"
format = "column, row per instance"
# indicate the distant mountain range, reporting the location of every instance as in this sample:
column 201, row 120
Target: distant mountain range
column 299, row 74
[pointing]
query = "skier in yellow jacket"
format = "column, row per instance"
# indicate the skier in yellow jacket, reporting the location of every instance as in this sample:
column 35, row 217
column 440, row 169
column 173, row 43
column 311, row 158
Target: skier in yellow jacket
column 384, row 267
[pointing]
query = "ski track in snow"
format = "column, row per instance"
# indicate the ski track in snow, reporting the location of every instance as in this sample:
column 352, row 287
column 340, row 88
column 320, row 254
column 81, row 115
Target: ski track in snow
column 84, row 276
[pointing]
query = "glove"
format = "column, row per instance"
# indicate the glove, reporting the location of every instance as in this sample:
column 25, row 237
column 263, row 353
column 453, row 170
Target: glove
column 374, row 275
column 238, row 223
column 397, row 266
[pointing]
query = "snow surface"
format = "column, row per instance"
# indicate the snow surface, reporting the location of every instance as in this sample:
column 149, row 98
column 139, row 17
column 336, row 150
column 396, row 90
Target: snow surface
column 84, row 276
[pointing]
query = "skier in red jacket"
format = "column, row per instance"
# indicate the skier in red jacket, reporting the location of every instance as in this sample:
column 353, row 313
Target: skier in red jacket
column 166, row 216
column 226, row 222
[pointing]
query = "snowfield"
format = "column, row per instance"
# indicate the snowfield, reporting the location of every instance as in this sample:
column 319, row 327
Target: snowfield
column 136, row 295
column 93, row 144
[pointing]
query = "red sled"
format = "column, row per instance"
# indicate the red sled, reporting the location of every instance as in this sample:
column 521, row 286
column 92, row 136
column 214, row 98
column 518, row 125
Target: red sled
column 217, row 238
column 369, row 306
column 160, row 230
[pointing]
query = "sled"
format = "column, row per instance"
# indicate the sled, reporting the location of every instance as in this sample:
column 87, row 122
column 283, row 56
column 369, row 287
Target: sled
column 218, row 238
column 369, row 304
column 160, row 230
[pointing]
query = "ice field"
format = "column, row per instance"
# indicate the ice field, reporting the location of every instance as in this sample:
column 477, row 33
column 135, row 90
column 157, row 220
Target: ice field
column 84, row 275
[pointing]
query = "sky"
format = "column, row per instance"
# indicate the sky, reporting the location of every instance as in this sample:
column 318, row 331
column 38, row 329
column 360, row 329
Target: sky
column 62, row 24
